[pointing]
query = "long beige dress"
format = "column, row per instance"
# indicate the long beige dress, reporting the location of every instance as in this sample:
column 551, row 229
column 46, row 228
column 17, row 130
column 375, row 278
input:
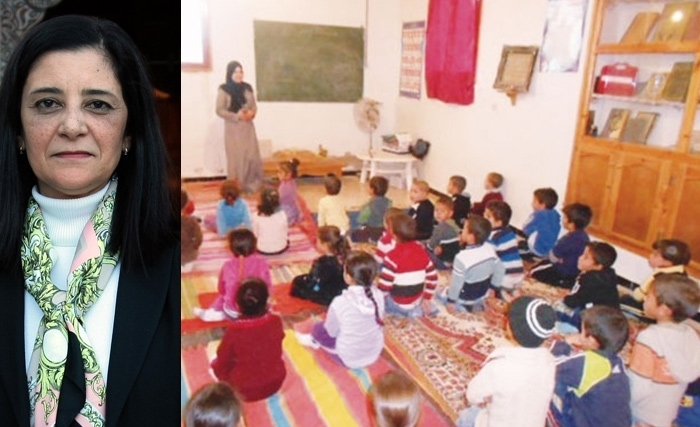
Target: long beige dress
column 243, row 162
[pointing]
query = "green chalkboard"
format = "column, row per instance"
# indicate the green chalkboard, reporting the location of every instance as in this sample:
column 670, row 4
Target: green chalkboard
column 308, row 63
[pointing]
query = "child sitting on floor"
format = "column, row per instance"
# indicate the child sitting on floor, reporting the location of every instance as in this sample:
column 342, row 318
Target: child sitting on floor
column 492, row 184
column 190, row 236
column 270, row 224
column 408, row 277
column 503, row 239
column 352, row 329
column 592, row 388
column 325, row 280
column 668, row 256
column 666, row 356
column 475, row 270
column 249, row 357
column 422, row 209
column 461, row 200
column 596, row 285
column 331, row 208
column 231, row 210
column 542, row 227
column 395, row 401
column 387, row 241
column 561, row 268
column 244, row 264
column 371, row 217
column 515, row 383
column 213, row 405
column 443, row 245
column 287, row 173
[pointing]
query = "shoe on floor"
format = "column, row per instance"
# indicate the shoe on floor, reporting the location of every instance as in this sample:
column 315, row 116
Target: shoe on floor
column 307, row 340
column 209, row 315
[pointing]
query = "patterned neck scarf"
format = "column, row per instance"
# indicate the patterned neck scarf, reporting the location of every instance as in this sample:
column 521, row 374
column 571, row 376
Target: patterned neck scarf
column 63, row 311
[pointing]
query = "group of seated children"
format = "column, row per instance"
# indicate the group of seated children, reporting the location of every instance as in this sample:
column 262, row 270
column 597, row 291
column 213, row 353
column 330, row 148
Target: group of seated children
column 277, row 209
column 581, row 381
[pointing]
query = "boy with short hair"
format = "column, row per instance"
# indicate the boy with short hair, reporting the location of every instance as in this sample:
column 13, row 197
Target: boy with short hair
column 422, row 210
column 371, row 217
column 443, row 244
column 461, row 201
column 596, row 285
column 475, row 269
column 592, row 388
column 561, row 268
column 331, row 208
column 408, row 277
column 542, row 227
column 215, row 404
column 668, row 256
column 515, row 384
column 498, row 213
column 492, row 184
column 666, row 355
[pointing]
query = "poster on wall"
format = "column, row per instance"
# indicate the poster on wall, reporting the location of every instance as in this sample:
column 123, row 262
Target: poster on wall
column 411, row 59
column 563, row 36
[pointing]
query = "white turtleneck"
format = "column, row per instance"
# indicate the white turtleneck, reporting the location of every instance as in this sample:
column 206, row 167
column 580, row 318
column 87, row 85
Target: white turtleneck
column 65, row 220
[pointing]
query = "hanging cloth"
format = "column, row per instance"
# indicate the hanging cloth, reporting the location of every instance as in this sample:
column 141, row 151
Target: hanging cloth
column 451, row 44
column 66, row 386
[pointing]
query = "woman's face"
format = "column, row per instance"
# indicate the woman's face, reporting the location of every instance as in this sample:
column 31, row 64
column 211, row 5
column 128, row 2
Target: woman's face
column 73, row 122
column 237, row 75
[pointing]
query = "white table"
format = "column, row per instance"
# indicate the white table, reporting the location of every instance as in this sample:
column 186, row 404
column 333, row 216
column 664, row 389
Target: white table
column 378, row 162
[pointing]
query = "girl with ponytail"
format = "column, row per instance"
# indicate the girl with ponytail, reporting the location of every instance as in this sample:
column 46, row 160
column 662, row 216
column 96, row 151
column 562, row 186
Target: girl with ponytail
column 325, row 280
column 352, row 329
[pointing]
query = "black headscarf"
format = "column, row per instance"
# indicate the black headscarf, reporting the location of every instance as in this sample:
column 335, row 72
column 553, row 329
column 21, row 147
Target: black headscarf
column 236, row 90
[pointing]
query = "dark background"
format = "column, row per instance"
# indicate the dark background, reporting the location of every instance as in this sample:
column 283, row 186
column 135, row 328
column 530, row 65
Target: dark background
column 154, row 25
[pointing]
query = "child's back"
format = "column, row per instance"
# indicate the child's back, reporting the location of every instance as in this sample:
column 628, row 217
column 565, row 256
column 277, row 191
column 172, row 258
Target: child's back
column 506, row 246
column 543, row 226
column 270, row 225
column 233, row 272
column 331, row 208
column 515, row 384
column 190, row 232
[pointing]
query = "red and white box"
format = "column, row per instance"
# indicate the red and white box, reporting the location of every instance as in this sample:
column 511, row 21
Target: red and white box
column 617, row 79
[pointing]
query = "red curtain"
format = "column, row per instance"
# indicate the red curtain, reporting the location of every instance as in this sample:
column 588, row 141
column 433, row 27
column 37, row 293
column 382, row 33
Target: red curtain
column 451, row 44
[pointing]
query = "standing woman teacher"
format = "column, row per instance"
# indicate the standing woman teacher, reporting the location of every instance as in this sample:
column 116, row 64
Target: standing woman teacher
column 89, row 258
column 236, row 105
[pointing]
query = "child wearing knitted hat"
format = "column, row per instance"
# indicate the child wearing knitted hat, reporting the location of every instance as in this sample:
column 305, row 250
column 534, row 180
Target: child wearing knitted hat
column 515, row 384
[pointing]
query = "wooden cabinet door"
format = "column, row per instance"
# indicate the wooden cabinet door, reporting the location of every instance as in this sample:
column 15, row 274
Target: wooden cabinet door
column 589, row 181
column 638, row 195
column 684, row 213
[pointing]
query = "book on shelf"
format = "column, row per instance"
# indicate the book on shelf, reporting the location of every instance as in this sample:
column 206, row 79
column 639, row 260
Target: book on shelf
column 692, row 33
column 637, row 129
column 639, row 29
column 676, row 88
column 615, row 125
column 654, row 87
column 674, row 21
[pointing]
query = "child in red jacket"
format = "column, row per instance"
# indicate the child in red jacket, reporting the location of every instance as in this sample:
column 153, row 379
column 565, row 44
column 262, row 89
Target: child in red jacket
column 249, row 357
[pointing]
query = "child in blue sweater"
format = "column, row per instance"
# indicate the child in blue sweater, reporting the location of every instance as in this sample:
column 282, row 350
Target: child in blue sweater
column 561, row 268
column 231, row 210
column 592, row 388
column 541, row 229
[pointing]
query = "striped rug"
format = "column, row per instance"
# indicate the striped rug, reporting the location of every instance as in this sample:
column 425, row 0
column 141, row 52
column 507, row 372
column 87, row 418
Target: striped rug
column 316, row 392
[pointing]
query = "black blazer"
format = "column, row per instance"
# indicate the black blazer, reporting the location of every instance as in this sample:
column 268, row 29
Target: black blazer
column 144, row 367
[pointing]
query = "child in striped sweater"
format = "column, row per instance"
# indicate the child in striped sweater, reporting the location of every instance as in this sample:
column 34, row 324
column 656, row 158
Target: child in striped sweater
column 505, row 243
column 408, row 277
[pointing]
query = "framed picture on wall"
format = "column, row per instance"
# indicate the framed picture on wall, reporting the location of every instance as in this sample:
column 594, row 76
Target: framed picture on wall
column 515, row 68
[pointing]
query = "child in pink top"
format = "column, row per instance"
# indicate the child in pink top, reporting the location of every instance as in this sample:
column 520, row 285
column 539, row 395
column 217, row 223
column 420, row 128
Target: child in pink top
column 244, row 264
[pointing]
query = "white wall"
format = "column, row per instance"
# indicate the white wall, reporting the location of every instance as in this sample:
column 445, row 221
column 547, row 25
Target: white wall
column 299, row 125
column 529, row 143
